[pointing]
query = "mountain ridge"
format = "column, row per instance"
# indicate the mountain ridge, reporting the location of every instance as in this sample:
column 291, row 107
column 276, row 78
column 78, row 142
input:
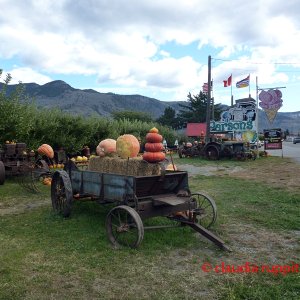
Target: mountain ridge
column 88, row 102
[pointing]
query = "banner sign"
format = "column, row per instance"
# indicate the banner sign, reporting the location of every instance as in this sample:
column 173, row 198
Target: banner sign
column 273, row 139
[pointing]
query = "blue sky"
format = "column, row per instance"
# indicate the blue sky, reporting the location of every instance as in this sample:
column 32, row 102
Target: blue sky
column 154, row 48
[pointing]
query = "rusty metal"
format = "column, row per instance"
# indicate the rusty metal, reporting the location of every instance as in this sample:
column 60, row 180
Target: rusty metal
column 16, row 161
column 206, row 233
column 215, row 150
column 61, row 193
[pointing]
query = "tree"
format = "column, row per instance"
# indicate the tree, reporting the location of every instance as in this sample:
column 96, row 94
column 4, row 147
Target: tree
column 16, row 112
column 169, row 118
column 132, row 115
column 195, row 110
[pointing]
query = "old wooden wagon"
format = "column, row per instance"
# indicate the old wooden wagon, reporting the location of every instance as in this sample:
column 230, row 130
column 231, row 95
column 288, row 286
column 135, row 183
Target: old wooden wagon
column 136, row 198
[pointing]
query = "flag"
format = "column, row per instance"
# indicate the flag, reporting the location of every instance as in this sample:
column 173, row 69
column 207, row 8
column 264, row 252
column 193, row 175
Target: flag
column 205, row 87
column 243, row 82
column 228, row 81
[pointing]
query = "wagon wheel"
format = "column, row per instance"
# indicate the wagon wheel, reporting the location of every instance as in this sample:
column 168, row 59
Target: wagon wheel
column 30, row 174
column 227, row 152
column 2, row 173
column 212, row 153
column 241, row 155
column 205, row 213
column 27, row 178
column 124, row 227
column 61, row 193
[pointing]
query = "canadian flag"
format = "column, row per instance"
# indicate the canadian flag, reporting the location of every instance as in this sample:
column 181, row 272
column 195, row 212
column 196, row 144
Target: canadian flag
column 228, row 81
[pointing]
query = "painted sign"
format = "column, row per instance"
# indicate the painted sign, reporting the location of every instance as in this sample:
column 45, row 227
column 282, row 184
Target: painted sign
column 270, row 102
column 238, row 120
column 231, row 126
column 273, row 139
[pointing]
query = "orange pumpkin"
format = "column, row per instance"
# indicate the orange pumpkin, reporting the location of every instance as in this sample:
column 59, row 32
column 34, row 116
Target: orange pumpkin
column 127, row 146
column 47, row 181
column 107, row 146
column 153, row 130
column 171, row 167
column 46, row 150
column 154, row 147
column 152, row 137
column 153, row 157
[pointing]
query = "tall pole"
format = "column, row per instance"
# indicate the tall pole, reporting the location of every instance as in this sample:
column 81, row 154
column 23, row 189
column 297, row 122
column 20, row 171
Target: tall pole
column 231, row 98
column 256, row 113
column 207, row 137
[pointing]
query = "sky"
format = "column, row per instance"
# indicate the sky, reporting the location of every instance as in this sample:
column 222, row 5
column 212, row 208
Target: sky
column 155, row 48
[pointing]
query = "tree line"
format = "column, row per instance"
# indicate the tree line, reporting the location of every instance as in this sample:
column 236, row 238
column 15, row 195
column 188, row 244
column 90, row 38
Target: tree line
column 21, row 120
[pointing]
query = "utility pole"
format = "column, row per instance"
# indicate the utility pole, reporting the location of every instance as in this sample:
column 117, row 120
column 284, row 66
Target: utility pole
column 207, row 137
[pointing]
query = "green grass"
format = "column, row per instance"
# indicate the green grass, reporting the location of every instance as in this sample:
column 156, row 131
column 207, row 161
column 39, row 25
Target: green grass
column 43, row 256
column 251, row 201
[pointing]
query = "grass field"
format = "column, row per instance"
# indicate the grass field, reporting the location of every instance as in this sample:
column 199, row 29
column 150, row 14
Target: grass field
column 43, row 256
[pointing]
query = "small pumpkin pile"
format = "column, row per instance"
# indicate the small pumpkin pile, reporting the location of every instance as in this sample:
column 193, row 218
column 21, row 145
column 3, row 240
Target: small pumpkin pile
column 154, row 147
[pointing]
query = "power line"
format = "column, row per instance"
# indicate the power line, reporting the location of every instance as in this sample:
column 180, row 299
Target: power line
column 259, row 63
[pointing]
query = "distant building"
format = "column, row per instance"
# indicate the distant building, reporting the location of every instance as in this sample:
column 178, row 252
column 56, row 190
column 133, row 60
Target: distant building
column 195, row 129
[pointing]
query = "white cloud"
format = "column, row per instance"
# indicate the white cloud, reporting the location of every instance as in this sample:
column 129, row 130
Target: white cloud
column 123, row 42
column 27, row 75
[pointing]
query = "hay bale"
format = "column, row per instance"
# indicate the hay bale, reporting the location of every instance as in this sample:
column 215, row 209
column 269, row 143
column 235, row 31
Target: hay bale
column 133, row 166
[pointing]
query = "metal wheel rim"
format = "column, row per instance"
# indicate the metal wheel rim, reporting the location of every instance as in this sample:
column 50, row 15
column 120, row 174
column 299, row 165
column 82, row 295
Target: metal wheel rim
column 61, row 195
column 124, row 227
column 212, row 153
column 207, row 209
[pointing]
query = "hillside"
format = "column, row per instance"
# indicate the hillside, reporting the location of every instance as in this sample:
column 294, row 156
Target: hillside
column 90, row 102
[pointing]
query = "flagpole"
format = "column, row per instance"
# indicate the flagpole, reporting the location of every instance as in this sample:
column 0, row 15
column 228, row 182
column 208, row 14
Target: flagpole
column 207, row 137
column 249, row 87
column 231, row 92
column 212, row 101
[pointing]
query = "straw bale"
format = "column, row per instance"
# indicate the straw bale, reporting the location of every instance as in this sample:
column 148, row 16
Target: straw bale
column 133, row 166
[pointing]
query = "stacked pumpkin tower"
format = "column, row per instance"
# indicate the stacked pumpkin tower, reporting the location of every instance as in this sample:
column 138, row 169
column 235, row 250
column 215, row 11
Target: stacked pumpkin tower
column 154, row 147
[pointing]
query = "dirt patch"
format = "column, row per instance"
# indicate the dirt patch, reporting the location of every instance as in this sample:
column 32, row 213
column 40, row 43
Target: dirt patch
column 21, row 208
column 284, row 173
column 208, row 170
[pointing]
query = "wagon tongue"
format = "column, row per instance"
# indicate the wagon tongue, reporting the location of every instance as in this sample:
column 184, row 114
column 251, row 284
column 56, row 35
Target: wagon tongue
column 206, row 233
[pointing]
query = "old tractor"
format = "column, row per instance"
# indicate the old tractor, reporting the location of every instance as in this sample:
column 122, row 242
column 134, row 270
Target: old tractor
column 215, row 150
column 17, row 161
